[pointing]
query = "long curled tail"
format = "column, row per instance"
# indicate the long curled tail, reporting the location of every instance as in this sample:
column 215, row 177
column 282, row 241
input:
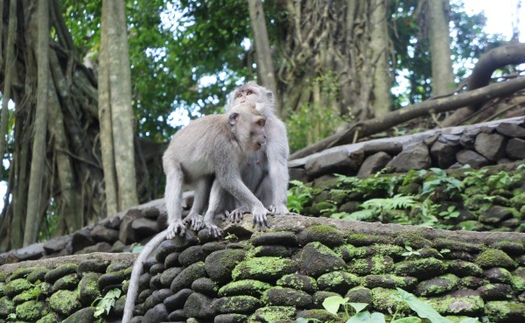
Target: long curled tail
column 133, row 287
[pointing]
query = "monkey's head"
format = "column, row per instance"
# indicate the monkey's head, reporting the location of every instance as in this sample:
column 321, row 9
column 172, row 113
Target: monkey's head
column 247, row 125
column 251, row 92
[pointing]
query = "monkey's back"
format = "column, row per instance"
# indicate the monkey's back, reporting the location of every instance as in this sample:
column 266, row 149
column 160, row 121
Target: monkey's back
column 199, row 145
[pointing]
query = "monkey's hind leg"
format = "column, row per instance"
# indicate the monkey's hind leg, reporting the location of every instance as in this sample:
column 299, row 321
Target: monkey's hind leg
column 173, row 199
column 202, row 193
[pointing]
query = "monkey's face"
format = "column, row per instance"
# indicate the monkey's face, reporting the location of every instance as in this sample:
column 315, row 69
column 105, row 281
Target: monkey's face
column 246, row 94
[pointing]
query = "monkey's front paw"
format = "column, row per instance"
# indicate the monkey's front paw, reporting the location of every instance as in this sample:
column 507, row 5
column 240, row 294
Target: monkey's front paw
column 175, row 229
column 279, row 209
column 213, row 230
column 237, row 215
column 194, row 221
column 259, row 218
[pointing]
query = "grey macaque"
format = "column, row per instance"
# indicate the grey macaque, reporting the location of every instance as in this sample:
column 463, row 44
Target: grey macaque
column 214, row 145
column 265, row 174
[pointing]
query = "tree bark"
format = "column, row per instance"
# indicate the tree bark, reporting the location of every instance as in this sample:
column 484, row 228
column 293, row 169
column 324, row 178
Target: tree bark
column 119, row 108
column 482, row 72
column 379, row 51
column 9, row 66
column 41, row 51
column 366, row 128
column 263, row 53
column 439, row 37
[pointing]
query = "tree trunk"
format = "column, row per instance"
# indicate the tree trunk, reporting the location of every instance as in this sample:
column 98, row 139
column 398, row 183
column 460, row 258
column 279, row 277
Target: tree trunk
column 379, row 54
column 117, row 106
column 439, row 36
column 41, row 52
column 332, row 40
column 263, row 53
column 482, row 72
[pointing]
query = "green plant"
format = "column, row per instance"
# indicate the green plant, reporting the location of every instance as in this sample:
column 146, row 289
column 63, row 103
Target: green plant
column 410, row 252
column 379, row 207
column 370, row 185
column 449, row 213
column 502, row 180
column 439, row 178
column 104, row 304
column 299, row 195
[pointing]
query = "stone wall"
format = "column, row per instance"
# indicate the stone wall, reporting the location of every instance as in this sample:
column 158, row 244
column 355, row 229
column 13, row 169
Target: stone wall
column 479, row 145
column 283, row 274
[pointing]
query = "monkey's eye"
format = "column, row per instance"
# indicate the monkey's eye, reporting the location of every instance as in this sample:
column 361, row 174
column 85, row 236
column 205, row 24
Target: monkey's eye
column 238, row 95
column 249, row 92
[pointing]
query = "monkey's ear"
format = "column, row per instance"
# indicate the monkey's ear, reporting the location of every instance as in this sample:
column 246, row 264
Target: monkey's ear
column 232, row 119
column 269, row 96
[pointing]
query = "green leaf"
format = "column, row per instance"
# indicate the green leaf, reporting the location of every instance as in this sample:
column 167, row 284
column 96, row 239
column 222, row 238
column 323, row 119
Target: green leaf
column 367, row 317
column 411, row 319
column 358, row 307
column 423, row 309
column 469, row 320
column 332, row 303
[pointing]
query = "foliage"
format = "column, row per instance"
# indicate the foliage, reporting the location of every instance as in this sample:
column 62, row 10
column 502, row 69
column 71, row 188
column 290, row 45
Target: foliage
column 104, row 304
column 299, row 195
column 333, row 303
column 365, row 186
column 381, row 207
column 315, row 121
column 439, row 178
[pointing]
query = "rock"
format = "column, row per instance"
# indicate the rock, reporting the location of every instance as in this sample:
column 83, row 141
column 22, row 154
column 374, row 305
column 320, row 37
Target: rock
column 299, row 282
column 187, row 276
column 205, row 286
column 126, row 232
column 177, row 300
column 58, row 244
column 156, row 314
column 374, row 164
column 495, row 215
column 444, row 154
column 511, row 130
column 199, row 306
column 192, row 255
column 415, row 156
column 334, row 162
column 317, row 259
column 337, row 281
column 145, row 227
column 101, row 233
column 236, row 304
column 34, row 251
column 324, row 234
column 516, row 148
column 491, row 146
column 219, row 264
column 267, row 269
column 472, row 158
column 284, row 296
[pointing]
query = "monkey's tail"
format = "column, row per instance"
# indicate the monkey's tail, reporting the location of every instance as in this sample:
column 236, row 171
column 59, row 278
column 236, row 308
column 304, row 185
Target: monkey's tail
column 133, row 286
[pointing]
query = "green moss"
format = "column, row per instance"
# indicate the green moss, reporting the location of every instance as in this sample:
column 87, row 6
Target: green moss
column 388, row 250
column 495, row 258
column 518, row 279
column 466, row 305
column 273, row 314
column 30, row 294
column 414, row 239
column 376, row 264
column 263, row 267
column 17, row 286
column 31, row 311
column 7, row 306
column 244, row 287
column 383, row 301
column 349, row 252
column 65, row 302
column 299, row 282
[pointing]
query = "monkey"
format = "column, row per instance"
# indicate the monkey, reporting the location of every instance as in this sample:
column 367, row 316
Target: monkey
column 265, row 174
column 213, row 147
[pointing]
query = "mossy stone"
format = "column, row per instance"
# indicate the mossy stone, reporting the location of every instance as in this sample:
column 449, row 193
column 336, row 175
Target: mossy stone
column 16, row 286
column 495, row 258
column 187, row 276
column 317, row 259
column 465, row 305
column 31, row 311
column 61, row 271
column 437, row 285
column 420, row 268
column 65, row 302
column 219, row 264
column 7, row 306
column 349, row 252
column 249, row 287
column 270, row 314
column 324, row 234
column 505, row 311
column 299, row 282
column 374, row 265
column 264, row 268
column 338, row 281
column 284, row 296
column 236, row 304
